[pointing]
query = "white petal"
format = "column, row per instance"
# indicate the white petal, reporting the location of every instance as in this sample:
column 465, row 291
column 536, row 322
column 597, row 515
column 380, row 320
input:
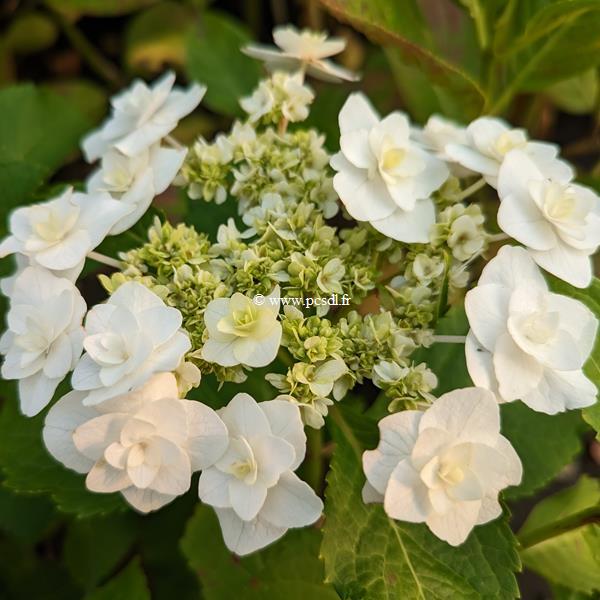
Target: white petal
column 244, row 537
column 455, row 525
column 105, row 479
column 59, row 358
column 94, row 436
column 406, row 495
column 512, row 267
column 246, row 500
column 35, row 392
column 273, row 456
column 220, row 353
column 213, row 488
column 244, row 418
column 480, row 365
column 357, row 113
column 412, row 226
column 135, row 297
column 291, row 503
column 472, row 159
column 487, row 310
column 175, row 471
column 258, row 353
column 165, row 162
column 570, row 265
column 286, row 422
column 515, row 174
column 370, row 495
column 146, row 500
column 61, row 421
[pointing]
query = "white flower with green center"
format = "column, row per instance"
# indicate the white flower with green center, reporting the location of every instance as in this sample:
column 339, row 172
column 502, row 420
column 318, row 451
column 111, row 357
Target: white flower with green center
column 141, row 116
column 383, row 176
column 305, row 50
column 466, row 237
column 426, row 268
column 59, row 233
column 136, row 181
column 242, row 330
column 253, row 487
column 128, row 339
column 527, row 343
column 145, row 444
column 490, row 139
column 44, row 335
column 443, row 467
column 557, row 220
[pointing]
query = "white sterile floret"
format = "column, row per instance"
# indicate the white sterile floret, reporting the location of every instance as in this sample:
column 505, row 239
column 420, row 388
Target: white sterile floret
column 443, row 467
column 137, row 180
column 307, row 50
column 525, row 342
column 44, row 336
column 141, row 116
column 558, row 220
column 253, row 487
column 59, row 233
column 490, row 139
column 437, row 133
column 145, row 444
column 242, row 330
column 382, row 175
column 127, row 339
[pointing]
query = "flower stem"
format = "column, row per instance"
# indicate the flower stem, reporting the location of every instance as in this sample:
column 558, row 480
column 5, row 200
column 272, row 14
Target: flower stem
column 474, row 187
column 173, row 142
column 105, row 260
column 497, row 237
column 449, row 339
column 314, row 465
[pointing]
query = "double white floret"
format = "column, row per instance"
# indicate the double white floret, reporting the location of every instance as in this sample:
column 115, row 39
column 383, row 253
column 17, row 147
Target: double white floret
column 383, row 176
column 253, row 487
column 144, row 444
column 443, row 467
column 525, row 342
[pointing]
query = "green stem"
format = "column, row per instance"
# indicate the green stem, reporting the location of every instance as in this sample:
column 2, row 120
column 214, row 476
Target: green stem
column 585, row 517
column 100, row 65
column 314, row 465
column 468, row 191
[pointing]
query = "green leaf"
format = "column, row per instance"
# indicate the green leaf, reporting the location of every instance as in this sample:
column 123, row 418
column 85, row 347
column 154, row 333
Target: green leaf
column 545, row 444
column 561, row 537
column 367, row 555
column 38, row 131
column 94, row 547
column 289, row 569
column 590, row 296
column 29, row 33
column 129, row 584
column 577, row 95
column 214, row 58
column 90, row 98
column 98, row 8
column 400, row 27
column 28, row 468
column 156, row 37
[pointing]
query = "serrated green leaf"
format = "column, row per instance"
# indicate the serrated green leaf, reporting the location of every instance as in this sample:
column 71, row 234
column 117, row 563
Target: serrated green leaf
column 561, row 537
column 38, row 131
column 129, row 584
column 400, row 27
column 369, row 556
column 94, row 547
column 289, row 569
column 28, row 468
column 214, row 58
column 545, row 444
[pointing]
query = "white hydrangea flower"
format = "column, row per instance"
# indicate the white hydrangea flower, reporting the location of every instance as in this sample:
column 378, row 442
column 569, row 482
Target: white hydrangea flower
column 253, row 487
column 443, row 467
column 242, row 330
column 437, row 133
column 127, row 339
column 388, row 372
column 44, row 335
column 306, row 50
column 137, row 180
column 59, row 233
column 426, row 268
column 490, row 139
column 383, row 176
column 260, row 103
column 141, row 116
column 466, row 237
column 145, row 444
column 558, row 220
column 525, row 342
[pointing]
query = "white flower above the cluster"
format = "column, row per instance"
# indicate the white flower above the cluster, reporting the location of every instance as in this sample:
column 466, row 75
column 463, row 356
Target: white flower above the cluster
column 443, row 467
column 242, row 331
column 44, row 337
column 256, row 494
column 558, row 220
column 59, row 233
column 525, row 342
column 145, row 444
column 383, row 176
column 305, row 50
column 129, row 338
column 135, row 181
column 141, row 116
column 490, row 139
